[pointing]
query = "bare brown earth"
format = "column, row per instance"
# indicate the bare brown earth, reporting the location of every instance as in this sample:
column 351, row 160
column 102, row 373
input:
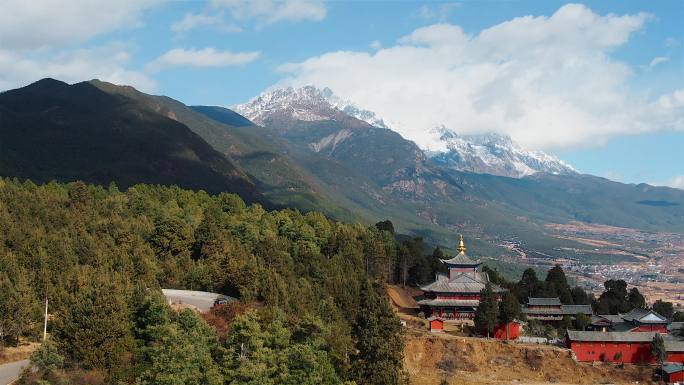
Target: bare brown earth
column 17, row 353
column 468, row 360
column 402, row 297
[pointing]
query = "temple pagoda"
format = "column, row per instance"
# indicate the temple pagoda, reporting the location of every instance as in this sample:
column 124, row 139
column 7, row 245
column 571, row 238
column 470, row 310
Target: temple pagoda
column 456, row 295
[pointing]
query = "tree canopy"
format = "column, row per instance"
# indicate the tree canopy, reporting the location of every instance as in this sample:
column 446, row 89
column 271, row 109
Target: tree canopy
column 101, row 255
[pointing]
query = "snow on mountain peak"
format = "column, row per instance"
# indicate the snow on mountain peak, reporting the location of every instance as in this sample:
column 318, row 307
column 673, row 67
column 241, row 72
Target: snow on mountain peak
column 307, row 103
column 486, row 153
column 495, row 154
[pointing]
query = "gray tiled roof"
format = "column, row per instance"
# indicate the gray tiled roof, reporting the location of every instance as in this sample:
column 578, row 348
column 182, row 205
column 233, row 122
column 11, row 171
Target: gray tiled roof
column 610, row 317
column 533, row 301
column 673, row 368
column 461, row 283
column 675, row 326
column 574, row 309
column 450, row 302
column 461, row 259
column 575, row 335
column 673, row 344
column 636, row 315
column 564, row 310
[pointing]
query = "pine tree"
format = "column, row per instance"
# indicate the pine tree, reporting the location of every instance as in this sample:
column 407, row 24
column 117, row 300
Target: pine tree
column 529, row 285
column 557, row 285
column 636, row 299
column 18, row 306
column 509, row 310
column 487, row 314
column 658, row 349
column 379, row 340
column 95, row 329
column 179, row 357
column 664, row 308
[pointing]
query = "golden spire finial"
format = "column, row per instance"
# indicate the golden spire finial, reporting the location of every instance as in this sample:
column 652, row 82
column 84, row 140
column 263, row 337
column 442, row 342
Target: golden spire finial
column 461, row 246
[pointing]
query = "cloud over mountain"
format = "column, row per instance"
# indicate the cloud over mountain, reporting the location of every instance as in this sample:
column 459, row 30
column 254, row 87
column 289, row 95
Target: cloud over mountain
column 548, row 82
column 37, row 40
column 203, row 58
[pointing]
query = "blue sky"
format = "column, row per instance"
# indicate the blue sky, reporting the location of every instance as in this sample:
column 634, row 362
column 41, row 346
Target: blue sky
column 600, row 84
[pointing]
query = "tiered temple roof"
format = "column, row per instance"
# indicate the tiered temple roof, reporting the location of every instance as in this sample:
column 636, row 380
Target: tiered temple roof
column 465, row 282
column 463, row 278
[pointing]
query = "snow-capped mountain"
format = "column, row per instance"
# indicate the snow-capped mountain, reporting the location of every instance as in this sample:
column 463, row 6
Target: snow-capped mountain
column 486, row 154
column 306, row 103
column 495, row 154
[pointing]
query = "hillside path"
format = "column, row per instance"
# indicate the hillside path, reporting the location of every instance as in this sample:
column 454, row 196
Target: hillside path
column 202, row 300
column 10, row 372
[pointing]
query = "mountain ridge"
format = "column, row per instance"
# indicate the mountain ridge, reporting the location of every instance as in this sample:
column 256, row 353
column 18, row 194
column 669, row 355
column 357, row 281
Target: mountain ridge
column 352, row 171
column 55, row 131
column 485, row 153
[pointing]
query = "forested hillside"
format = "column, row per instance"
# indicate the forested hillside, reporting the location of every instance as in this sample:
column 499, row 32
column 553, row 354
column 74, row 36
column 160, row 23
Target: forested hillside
column 312, row 310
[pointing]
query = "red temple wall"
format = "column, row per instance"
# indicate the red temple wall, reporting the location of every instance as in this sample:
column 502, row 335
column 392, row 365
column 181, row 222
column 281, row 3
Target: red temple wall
column 676, row 377
column 633, row 353
column 651, row 328
column 675, row 357
column 513, row 331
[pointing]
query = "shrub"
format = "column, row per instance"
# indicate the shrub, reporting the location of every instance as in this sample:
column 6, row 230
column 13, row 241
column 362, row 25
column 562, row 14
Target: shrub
column 47, row 357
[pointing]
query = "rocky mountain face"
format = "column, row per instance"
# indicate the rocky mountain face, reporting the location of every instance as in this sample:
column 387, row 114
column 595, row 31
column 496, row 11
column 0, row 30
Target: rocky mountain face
column 497, row 155
column 308, row 104
column 288, row 108
column 317, row 121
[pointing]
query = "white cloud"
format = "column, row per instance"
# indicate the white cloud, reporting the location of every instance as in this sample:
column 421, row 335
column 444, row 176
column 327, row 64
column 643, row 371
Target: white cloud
column 375, row 44
column 38, row 39
column 273, row 11
column 671, row 42
column 106, row 63
column 440, row 12
column 191, row 21
column 656, row 60
column 49, row 23
column 207, row 57
column 549, row 82
column 677, row 182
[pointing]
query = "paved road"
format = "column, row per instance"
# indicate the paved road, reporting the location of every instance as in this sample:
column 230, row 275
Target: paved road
column 10, row 372
column 201, row 299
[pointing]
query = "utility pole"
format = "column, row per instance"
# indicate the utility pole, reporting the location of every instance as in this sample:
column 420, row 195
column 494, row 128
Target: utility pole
column 46, row 317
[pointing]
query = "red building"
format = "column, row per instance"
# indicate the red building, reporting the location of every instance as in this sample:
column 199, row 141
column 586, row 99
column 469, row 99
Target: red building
column 436, row 324
column 509, row 331
column 673, row 373
column 456, row 295
column 627, row 347
column 637, row 320
column 552, row 310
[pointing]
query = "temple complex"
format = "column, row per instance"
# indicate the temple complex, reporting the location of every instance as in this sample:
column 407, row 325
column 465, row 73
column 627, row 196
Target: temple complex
column 456, row 295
